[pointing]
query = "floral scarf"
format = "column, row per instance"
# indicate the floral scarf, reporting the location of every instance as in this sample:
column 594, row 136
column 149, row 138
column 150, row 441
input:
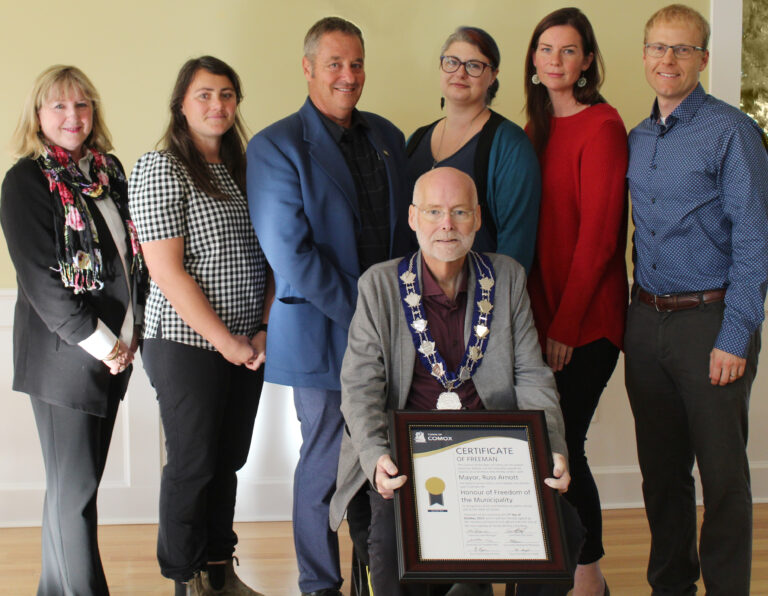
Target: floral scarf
column 77, row 240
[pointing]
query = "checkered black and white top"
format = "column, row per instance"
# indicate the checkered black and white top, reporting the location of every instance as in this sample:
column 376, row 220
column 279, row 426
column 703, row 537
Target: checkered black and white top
column 221, row 251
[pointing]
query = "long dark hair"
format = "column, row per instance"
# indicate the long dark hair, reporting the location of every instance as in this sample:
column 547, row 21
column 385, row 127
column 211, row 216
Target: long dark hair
column 483, row 41
column 537, row 104
column 178, row 140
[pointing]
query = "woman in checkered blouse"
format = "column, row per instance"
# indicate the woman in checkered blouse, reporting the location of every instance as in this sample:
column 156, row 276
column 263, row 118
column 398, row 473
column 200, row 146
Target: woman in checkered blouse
column 205, row 322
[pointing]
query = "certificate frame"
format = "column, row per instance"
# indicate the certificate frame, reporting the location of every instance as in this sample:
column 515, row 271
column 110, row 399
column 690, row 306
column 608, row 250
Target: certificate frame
column 551, row 566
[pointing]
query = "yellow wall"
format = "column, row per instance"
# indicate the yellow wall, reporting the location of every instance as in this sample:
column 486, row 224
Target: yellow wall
column 133, row 50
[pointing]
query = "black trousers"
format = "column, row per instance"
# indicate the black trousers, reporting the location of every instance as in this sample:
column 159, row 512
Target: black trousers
column 382, row 553
column 680, row 417
column 208, row 407
column 75, row 446
column 580, row 385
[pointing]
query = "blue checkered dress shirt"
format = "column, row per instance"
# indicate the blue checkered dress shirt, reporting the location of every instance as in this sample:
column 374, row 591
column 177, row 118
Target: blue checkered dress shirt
column 699, row 186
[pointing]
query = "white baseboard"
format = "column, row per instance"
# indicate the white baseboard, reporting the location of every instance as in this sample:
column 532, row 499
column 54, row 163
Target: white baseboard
column 621, row 486
column 274, row 501
column 130, row 493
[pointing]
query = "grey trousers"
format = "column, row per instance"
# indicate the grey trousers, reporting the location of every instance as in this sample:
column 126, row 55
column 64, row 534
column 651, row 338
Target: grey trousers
column 680, row 417
column 74, row 446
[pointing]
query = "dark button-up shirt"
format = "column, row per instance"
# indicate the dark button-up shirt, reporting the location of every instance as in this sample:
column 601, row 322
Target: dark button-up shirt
column 445, row 318
column 699, row 186
column 371, row 186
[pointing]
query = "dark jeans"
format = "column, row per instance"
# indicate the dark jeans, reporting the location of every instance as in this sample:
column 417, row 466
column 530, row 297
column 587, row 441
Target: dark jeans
column 75, row 446
column 680, row 417
column 382, row 553
column 580, row 385
column 208, row 407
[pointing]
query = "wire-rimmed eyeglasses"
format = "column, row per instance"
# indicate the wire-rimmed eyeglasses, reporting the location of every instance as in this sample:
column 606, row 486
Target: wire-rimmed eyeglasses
column 435, row 215
column 682, row 51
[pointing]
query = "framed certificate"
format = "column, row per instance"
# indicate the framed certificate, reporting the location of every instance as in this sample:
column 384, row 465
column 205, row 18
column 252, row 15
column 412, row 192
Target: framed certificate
column 475, row 507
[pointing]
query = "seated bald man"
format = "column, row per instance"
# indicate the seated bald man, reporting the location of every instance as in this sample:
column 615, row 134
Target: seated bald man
column 382, row 371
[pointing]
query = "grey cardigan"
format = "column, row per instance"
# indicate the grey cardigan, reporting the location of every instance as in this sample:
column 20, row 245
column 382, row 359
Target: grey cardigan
column 378, row 366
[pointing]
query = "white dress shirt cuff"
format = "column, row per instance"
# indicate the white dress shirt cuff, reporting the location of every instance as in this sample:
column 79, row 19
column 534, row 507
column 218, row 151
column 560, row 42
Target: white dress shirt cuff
column 100, row 343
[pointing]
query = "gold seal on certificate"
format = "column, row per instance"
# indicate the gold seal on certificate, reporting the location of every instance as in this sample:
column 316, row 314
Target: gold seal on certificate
column 435, row 487
column 475, row 506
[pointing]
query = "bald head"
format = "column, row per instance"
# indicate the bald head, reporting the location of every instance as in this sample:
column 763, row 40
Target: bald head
column 445, row 182
column 444, row 214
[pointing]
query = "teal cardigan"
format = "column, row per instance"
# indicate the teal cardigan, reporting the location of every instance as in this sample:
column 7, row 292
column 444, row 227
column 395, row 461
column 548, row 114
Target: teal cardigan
column 508, row 185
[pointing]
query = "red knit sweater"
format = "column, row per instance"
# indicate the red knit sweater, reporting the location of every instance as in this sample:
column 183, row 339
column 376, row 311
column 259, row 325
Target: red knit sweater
column 578, row 282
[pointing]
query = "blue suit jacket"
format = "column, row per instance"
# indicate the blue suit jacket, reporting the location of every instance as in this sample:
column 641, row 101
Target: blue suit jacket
column 303, row 206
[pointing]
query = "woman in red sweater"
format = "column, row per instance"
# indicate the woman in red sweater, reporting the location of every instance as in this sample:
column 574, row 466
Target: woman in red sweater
column 578, row 282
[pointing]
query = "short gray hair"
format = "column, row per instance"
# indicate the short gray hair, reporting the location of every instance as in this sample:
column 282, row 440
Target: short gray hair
column 329, row 25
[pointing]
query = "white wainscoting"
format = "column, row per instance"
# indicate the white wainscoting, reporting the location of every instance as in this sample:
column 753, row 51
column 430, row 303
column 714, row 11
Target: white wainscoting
column 611, row 446
column 129, row 490
column 131, row 481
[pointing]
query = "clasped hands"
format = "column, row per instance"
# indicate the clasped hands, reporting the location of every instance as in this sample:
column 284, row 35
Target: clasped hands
column 241, row 350
column 387, row 481
column 251, row 353
column 119, row 360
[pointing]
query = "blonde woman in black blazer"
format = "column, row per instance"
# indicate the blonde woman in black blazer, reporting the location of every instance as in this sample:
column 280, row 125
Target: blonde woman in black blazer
column 81, row 287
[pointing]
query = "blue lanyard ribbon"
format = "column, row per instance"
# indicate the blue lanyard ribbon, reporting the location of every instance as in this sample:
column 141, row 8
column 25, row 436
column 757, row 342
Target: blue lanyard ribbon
column 418, row 325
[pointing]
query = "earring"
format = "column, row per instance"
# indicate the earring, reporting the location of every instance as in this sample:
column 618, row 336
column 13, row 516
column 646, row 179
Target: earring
column 442, row 103
column 535, row 79
column 582, row 82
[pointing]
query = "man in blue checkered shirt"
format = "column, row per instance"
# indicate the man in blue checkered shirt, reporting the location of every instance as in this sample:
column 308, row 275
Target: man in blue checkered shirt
column 698, row 176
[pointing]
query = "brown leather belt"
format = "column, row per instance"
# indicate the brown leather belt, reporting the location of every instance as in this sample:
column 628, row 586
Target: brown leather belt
column 675, row 302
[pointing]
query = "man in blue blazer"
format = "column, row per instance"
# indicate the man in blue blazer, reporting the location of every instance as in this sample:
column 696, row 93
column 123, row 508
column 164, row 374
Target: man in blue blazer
column 328, row 197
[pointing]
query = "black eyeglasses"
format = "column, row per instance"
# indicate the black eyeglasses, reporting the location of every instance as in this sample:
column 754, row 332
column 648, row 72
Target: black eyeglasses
column 681, row 51
column 474, row 68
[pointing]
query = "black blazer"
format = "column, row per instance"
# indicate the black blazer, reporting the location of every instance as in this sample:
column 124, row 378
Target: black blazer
column 50, row 319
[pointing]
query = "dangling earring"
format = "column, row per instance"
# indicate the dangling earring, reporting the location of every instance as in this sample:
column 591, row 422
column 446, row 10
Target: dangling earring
column 535, row 79
column 582, row 82
column 442, row 103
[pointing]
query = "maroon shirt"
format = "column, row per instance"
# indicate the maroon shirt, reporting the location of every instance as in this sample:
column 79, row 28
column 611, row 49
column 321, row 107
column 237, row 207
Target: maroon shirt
column 445, row 318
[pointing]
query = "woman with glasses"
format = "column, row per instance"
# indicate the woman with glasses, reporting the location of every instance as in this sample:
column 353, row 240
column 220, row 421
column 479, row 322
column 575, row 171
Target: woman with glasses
column 476, row 140
column 578, row 283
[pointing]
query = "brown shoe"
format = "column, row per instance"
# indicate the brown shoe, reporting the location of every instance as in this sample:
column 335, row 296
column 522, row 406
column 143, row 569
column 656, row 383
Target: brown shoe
column 233, row 585
column 195, row 586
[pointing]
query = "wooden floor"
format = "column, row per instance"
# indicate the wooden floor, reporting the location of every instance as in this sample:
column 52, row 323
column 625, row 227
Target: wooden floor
column 267, row 563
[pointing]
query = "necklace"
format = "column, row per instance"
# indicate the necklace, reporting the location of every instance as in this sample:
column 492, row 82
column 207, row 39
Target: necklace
column 436, row 157
column 426, row 348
